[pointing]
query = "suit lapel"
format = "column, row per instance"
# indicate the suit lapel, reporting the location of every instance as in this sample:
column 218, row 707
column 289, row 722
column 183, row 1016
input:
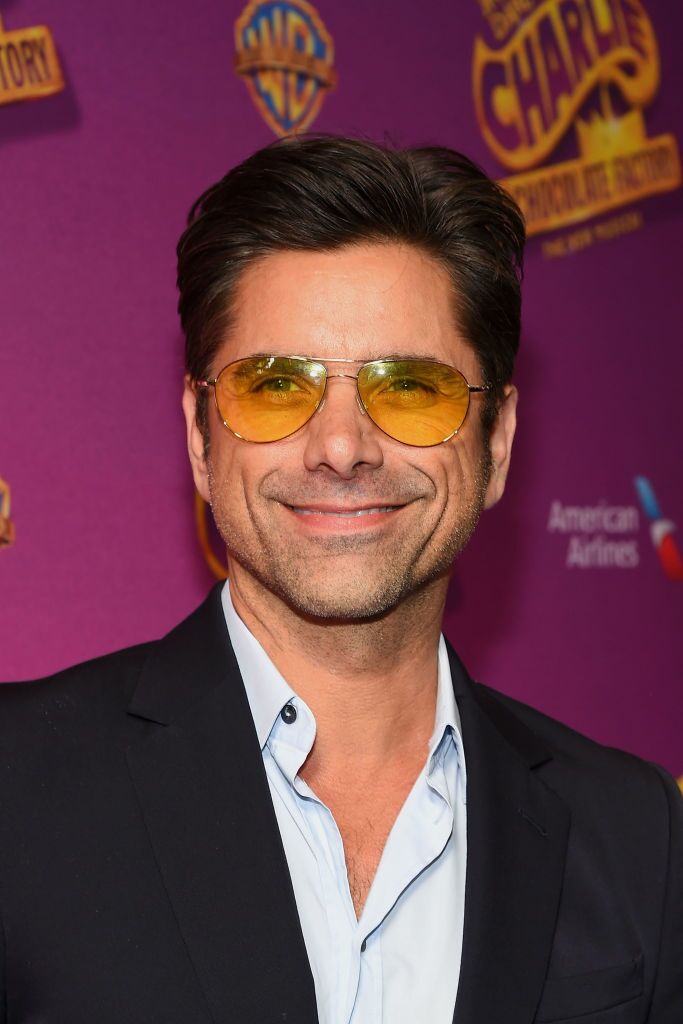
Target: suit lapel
column 205, row 799
column 204, row 794
column 517, row 831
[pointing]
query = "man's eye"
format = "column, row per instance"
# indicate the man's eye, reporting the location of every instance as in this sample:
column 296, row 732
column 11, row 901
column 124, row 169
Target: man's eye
column 280, row 385
column 408, row 384
column 406, row 393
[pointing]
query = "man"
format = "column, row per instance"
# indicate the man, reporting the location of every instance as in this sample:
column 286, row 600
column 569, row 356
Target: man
column 297, row 806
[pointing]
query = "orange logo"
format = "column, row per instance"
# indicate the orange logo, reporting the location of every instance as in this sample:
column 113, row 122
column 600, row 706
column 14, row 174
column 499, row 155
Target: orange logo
column 29, row 66
column 590, row 65
column 6, row 524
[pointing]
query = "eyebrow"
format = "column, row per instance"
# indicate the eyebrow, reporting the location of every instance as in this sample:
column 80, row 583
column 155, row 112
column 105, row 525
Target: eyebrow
column 323, row 359
column 401, row 355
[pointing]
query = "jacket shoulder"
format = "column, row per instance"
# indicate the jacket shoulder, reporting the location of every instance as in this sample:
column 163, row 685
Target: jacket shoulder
column 89, row 689
column 578, row 764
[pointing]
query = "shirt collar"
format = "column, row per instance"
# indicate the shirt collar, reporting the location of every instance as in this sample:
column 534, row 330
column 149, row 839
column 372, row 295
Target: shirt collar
column 268, row 692
column 447, row 716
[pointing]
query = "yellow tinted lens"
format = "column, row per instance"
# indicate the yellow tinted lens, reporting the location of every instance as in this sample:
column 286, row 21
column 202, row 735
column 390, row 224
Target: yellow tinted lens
column 266, row 398
column 419, row 403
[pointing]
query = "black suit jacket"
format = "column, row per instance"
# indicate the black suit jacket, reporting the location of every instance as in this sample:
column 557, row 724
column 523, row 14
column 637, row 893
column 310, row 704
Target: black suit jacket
column 143, row 879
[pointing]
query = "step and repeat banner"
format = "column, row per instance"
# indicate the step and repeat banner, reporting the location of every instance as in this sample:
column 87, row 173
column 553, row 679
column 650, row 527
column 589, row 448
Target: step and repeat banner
column 114, row 117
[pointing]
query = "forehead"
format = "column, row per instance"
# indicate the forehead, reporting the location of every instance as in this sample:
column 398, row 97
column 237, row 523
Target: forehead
column 356, row 302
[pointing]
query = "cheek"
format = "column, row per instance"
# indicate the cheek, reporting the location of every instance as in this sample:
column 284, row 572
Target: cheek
column 447, row 474
column 225, row 474
column 237, row 470
column 457, row 479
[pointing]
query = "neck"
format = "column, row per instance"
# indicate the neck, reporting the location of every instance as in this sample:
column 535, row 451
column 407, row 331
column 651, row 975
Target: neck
column 370, row 684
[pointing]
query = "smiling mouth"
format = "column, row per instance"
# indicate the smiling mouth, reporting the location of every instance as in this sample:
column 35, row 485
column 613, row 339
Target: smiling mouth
column 345, row 513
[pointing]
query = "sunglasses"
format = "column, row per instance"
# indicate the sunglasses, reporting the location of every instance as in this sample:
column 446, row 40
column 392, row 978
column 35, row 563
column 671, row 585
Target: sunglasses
column 419, row 402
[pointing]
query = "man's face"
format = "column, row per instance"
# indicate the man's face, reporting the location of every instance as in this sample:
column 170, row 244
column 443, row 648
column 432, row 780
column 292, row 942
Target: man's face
column 300, row 515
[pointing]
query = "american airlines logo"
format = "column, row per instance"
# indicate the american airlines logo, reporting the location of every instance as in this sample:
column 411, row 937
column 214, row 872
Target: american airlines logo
column 606, row 536
column 599, row 536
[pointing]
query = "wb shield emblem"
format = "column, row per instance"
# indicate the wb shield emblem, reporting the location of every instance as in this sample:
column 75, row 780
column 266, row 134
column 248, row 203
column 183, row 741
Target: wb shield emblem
column 285, row 55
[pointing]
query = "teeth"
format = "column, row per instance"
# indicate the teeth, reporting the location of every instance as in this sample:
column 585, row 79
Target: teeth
column 346, row 515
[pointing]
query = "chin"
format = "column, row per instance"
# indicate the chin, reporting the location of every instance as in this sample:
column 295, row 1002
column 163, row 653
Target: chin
column 345, row 596
column 334, row 608
column 340, row 597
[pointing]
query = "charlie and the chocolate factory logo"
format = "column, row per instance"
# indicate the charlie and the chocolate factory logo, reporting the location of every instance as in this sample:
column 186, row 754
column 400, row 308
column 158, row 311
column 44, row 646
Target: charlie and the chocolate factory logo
column 29, row 65
column 569, row 81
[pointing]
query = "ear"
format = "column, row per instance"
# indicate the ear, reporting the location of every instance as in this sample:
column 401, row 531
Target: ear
column 502, row 436
column 195, row 440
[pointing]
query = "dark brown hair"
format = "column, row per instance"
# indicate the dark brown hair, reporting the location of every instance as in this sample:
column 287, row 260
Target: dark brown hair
column 318, row 193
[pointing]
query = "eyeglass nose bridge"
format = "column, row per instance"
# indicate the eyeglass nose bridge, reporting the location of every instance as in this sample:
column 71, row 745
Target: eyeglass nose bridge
column 348, row 376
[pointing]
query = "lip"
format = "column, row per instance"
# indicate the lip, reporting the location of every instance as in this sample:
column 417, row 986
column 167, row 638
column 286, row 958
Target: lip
column 330, row 518
column 370, row 508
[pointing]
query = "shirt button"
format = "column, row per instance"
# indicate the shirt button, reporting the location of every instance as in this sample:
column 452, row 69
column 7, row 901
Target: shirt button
column 288, row 714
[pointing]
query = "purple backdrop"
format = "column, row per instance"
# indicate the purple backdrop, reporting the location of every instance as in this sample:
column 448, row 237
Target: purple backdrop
column 96, row 184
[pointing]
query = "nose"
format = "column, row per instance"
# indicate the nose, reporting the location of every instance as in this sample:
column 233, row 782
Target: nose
column 340, row 437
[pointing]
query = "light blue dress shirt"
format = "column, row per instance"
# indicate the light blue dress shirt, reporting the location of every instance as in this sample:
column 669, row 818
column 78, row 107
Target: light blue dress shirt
column 400, row 963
